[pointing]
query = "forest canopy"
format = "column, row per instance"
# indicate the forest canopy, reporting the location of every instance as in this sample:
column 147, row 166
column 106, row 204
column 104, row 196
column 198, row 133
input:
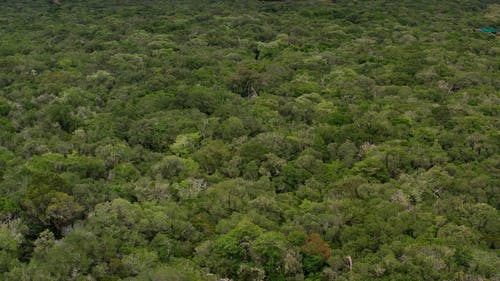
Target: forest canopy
column 249, row 140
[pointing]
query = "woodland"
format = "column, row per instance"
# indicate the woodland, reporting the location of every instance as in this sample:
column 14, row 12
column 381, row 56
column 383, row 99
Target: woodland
column 245, row 140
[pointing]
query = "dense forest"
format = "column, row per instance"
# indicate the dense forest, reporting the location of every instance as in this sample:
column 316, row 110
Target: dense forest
column 245, row 140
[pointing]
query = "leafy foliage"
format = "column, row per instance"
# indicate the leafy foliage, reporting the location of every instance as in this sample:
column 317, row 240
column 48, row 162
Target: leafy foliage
column 249, row 140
